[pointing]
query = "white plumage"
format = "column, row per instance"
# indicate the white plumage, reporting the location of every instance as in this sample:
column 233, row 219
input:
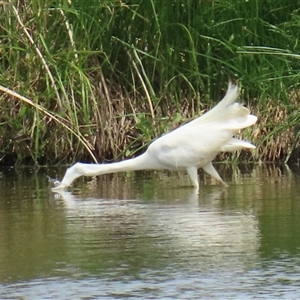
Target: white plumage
column 189, row 147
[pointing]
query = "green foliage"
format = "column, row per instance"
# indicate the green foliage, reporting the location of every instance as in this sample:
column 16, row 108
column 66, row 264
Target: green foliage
column 118, row 73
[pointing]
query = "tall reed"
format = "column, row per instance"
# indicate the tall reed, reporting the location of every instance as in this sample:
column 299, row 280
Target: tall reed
column 106, row 77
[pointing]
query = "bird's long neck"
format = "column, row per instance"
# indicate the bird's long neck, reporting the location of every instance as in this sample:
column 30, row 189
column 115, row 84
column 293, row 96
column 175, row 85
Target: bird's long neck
column 141, row 162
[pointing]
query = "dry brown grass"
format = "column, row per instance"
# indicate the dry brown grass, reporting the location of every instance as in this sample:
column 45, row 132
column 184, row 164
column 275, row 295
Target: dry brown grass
column 277, row 129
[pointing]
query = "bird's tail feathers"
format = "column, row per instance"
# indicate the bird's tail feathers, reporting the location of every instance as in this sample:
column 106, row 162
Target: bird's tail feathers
column 228, row 113
column 220, row 110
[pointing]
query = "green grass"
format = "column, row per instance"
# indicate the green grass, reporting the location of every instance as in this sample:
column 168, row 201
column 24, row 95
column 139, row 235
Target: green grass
column 103, row 79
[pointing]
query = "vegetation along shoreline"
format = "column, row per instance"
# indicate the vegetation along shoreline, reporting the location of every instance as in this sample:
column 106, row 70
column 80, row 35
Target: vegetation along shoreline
column 99, row 82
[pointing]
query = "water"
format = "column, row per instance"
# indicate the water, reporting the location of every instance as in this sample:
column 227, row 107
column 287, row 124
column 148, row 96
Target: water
column 146, row 235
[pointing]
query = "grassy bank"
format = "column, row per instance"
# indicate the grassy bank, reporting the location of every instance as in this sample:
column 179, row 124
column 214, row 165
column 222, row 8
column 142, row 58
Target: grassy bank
column 99, row 81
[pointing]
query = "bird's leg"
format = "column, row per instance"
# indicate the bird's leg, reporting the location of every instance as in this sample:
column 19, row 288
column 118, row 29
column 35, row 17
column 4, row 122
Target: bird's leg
column 209, row 169
column 193, row 173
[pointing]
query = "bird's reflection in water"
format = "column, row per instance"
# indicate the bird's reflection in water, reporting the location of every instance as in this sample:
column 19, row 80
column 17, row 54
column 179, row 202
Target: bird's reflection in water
column 191, row 225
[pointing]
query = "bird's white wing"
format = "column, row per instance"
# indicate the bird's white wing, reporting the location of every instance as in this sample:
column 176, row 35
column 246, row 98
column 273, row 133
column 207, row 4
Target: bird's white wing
column 189, row 146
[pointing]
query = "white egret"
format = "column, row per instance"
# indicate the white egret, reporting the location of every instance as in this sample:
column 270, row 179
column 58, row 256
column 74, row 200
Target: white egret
column 189, row 147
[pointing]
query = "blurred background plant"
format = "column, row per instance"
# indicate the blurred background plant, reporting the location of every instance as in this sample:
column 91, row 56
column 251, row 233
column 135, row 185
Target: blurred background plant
column 98, row 80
